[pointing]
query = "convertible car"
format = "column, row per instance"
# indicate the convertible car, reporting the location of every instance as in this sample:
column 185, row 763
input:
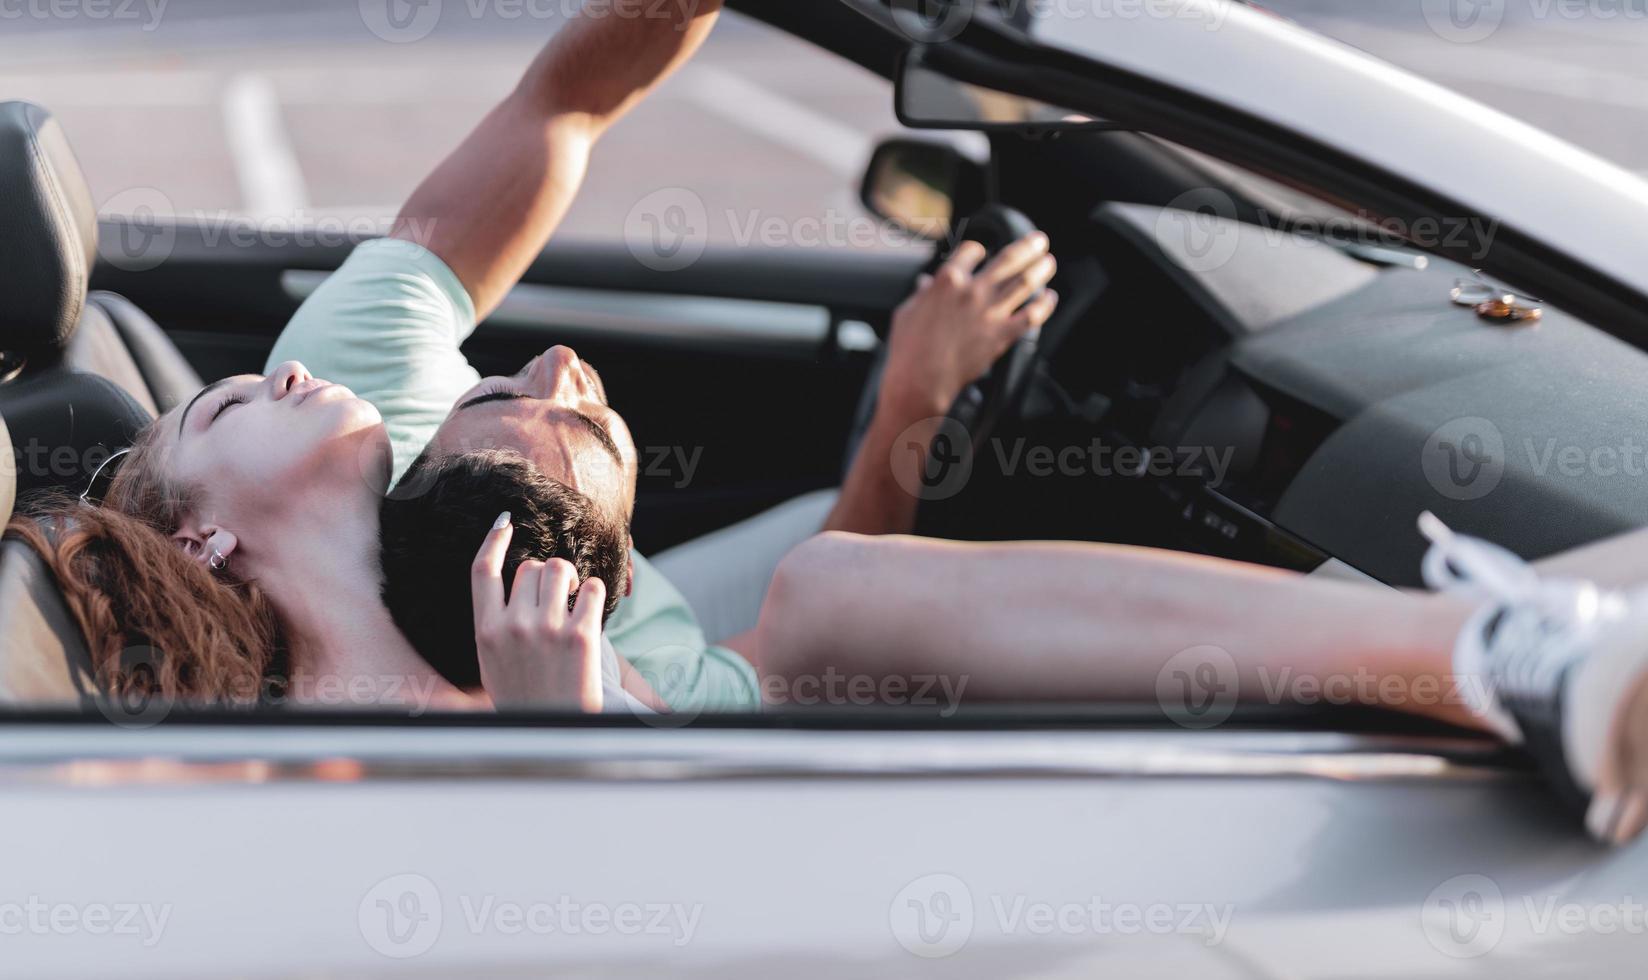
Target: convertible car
column 1306, row 297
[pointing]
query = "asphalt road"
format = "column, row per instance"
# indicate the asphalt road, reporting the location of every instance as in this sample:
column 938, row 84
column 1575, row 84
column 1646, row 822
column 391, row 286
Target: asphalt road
column 297, row 109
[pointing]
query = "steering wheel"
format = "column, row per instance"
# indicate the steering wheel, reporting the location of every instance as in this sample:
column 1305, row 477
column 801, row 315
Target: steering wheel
column 983, row 403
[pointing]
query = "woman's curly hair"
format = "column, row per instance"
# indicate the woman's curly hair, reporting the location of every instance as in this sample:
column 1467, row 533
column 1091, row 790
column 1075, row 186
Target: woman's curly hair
column 205, row 637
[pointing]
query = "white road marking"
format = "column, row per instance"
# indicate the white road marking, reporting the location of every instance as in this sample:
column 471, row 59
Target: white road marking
column 784, row 121
column 271, row 182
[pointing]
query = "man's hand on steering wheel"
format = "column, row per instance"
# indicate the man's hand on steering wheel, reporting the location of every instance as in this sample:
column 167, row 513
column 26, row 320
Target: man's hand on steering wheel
column 960, row 320
column 950, row 331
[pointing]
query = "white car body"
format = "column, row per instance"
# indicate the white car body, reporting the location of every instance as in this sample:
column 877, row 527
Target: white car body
column 299, row 849
column 358, row 852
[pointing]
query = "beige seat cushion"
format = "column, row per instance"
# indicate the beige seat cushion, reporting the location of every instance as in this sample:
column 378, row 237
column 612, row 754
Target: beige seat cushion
column 43, row 659
column 8, row 475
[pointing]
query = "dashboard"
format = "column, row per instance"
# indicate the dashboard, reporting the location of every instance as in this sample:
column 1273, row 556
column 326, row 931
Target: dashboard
column 1331, row 394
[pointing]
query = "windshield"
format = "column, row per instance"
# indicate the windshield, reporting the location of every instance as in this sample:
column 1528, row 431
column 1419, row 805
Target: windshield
column 1573, row 70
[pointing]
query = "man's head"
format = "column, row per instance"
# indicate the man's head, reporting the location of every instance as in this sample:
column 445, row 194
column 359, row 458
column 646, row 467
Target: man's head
column 432, row 525
column 554, row 412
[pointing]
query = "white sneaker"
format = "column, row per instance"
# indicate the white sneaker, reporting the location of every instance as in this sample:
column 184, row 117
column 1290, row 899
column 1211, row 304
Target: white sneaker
column 1560, row 667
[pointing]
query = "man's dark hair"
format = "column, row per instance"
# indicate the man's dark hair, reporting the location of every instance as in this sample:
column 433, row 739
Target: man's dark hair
column 432, row 523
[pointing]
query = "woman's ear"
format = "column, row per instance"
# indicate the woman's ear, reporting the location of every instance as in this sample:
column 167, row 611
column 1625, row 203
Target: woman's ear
column 200, row 543
column 220, row 543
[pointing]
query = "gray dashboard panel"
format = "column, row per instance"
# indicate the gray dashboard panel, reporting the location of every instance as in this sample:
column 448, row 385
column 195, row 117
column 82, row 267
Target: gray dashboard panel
column 1533, row 436
column 1230, row 268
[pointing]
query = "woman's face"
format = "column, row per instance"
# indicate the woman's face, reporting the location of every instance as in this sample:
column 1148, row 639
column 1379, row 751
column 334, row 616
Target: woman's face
column 254, row 448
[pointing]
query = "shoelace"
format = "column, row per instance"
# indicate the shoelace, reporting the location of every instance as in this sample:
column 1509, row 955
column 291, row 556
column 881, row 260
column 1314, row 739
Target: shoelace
column 1473, row 567
column 1511, row 656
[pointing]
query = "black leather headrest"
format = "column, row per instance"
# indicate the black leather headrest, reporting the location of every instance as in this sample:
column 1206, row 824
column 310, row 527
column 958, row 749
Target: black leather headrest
column 48, row 233
column 64, row 424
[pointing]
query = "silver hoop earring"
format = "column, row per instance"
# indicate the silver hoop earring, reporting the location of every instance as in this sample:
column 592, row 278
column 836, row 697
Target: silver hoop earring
column 218, row 562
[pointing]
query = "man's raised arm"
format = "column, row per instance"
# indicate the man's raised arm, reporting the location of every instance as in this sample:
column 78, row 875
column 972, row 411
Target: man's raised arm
column 488, row 209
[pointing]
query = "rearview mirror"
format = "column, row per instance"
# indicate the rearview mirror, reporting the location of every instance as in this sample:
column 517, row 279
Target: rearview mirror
column 917, row 184
column 926, row 98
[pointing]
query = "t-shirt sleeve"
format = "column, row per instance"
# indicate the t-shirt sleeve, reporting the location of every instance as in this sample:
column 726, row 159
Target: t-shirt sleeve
column 655, row 630
column 387, row 325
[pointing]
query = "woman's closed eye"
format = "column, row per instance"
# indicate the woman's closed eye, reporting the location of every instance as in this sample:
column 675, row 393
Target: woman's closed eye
column 223, row 406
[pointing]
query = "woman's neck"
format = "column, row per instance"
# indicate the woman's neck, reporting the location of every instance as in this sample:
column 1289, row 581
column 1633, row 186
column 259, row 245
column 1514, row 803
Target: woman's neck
column 325, row 578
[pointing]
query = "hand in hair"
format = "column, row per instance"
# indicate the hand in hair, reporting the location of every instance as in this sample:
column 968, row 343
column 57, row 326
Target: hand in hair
column 428, row 529
column 533, row 652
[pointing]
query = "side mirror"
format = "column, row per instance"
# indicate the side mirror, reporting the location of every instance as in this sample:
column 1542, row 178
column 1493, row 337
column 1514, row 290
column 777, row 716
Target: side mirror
column 917, row 185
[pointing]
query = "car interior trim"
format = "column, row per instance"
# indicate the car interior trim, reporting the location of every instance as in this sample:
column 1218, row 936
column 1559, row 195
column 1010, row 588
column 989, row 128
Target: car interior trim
column 640, row 316
column 128, row 755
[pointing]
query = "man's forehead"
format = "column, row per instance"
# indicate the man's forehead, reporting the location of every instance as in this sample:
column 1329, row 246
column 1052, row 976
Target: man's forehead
column 558, row 443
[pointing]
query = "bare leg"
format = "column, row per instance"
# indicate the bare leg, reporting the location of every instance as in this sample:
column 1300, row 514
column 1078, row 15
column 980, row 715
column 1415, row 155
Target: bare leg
column 1617, row 562
column 1089, row 622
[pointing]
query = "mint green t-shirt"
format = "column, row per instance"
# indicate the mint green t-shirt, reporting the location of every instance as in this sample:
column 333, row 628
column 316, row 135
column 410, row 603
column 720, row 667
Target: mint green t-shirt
column 387, row 325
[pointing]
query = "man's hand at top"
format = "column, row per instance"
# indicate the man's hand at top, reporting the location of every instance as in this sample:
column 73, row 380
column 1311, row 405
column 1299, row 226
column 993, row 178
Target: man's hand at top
column 946, row 335
column 489, row 208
